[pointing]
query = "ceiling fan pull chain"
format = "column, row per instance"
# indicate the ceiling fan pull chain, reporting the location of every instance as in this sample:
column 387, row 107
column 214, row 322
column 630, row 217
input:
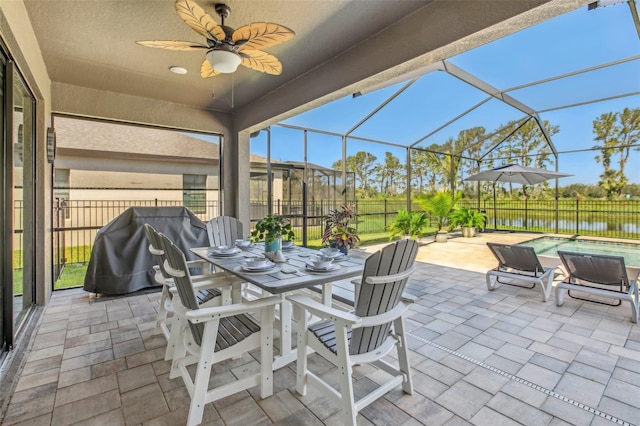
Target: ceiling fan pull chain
column 213, row 88
column 233, row 86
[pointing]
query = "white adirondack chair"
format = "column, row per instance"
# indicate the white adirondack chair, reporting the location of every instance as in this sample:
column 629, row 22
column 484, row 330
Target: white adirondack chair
column 209, row 288
column 224, row 231
column 216, row 334
column 366, row 335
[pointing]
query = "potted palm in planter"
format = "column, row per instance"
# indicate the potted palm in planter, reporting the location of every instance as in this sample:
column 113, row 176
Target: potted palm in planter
column 468, row 219
column 440, row 206
column 408, row 224
column 271, row 229
column 338, row 231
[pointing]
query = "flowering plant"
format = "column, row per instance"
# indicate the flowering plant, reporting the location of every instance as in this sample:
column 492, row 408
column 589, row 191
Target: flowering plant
column 338, row 231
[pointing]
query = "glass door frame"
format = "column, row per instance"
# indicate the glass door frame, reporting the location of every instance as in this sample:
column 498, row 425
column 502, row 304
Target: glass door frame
column 6, row 201
column 11, row 324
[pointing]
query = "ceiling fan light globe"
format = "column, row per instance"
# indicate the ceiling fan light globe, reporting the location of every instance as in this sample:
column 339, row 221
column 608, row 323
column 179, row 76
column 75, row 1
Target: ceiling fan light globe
column 224, row 61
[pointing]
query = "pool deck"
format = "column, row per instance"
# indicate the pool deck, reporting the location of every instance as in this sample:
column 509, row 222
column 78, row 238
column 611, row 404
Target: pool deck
column 473, row 254
column 478, row 358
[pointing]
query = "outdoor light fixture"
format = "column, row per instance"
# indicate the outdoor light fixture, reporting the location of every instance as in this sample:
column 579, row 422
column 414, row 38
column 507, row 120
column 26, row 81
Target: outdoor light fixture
column 178, row 70
column 223, row 61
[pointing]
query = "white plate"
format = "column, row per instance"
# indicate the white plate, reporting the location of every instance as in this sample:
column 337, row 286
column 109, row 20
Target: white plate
column 213, row 252
column 246, row 247
column 335, row 256
column 340, row 258
column 266, row 267
column 240, row 268
column 331, row 268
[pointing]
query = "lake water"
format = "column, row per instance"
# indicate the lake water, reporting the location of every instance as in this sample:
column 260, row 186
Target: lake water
column 549, row 246
column 631, row 230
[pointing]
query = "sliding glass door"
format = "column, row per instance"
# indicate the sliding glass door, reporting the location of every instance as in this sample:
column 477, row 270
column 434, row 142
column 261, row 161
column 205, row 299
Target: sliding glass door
column 23, row 201
column 17, row 202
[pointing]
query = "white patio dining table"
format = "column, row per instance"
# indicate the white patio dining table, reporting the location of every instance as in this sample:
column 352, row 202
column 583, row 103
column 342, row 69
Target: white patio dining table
column 284, row 279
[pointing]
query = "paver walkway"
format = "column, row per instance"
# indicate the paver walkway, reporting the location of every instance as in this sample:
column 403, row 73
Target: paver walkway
column 478, row 357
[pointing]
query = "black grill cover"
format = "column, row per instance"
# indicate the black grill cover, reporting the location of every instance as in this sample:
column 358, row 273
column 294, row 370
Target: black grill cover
column 120, row 261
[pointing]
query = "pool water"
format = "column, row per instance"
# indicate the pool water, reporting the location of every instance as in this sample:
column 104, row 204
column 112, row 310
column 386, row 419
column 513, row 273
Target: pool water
column 549, row 246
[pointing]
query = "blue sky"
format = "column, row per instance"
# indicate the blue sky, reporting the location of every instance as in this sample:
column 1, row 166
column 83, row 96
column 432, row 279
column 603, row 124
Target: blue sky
column 577, row 40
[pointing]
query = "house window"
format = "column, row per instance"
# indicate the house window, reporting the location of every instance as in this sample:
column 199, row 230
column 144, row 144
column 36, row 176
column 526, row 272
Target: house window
column 194, row 193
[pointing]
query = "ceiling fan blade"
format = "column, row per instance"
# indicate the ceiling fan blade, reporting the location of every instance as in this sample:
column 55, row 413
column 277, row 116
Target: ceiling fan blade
column 195, row 17
column 172, row 44
column 259, row 35
column 261, row 61
column 206, row 70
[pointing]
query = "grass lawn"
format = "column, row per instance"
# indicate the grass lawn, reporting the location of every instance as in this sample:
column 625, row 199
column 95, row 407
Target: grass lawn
column 72, row 276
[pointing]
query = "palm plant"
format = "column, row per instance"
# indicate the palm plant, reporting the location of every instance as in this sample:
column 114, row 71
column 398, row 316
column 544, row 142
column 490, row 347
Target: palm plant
column 409, row 223
column 440, row 205
column 401, row 224
column 467, row 217
column 419, row 221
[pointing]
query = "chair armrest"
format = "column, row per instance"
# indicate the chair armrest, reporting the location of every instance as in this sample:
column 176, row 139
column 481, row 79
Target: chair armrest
column 323, row 311
column 196, row 263
column 408, row 298
column 391, row 278
column 210, row 282
column 219, row 279
column 216, row 312
column 383, row 318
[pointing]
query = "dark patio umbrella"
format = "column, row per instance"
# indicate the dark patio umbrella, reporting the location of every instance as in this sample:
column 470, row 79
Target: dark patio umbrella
column 517, row 174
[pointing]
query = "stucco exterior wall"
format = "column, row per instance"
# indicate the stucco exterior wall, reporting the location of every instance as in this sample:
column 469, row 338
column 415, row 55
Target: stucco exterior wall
column 18, row 36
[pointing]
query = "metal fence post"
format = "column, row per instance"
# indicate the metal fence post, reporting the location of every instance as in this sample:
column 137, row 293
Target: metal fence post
column 385, row 213
column 577, row 216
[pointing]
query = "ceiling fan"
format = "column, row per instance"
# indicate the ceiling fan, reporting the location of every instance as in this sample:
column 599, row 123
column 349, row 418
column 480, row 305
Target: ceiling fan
column 227, row 48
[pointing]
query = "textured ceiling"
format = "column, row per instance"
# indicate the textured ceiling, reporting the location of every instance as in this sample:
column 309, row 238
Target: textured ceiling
column 92, row 44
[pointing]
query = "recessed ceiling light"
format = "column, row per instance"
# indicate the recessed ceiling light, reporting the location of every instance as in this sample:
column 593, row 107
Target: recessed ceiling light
column 178, row 70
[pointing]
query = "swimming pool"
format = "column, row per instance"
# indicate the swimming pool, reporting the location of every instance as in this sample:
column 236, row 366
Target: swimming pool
column 549, row 246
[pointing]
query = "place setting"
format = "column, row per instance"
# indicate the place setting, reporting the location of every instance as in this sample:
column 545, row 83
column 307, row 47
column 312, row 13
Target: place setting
column 244, row 244
column 288, row 245
column 224, row 251
column 334, row 253
column 257, row 265
column 321, row 264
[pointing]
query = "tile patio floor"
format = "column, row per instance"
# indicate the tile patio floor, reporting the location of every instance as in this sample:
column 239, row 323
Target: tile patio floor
column 478, row 357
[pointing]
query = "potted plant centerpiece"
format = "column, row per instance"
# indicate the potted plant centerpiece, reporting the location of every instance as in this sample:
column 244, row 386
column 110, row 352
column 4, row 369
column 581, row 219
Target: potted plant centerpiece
column 440, row 206
column 468, row 219
column 338, row 231
column 408, row 224
column 271, row 229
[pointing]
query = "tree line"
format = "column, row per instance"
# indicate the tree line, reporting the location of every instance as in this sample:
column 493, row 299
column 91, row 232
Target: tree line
column 440, row 166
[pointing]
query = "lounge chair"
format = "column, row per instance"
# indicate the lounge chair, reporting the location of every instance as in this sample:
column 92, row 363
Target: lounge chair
column 599, row 275
column 367, row 335
column 519, row 264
